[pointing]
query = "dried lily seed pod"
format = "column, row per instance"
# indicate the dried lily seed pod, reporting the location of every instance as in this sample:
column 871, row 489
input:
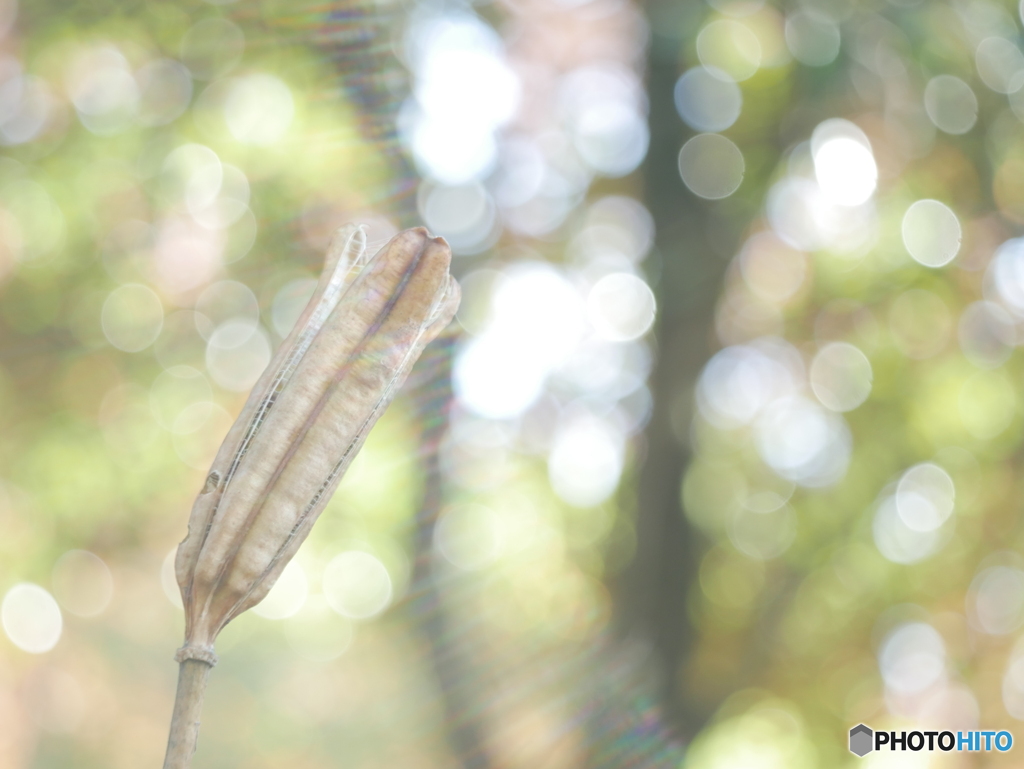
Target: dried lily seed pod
column 305, row 420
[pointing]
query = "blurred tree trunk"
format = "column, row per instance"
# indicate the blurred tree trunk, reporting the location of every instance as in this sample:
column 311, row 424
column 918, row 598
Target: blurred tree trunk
column 691, row 253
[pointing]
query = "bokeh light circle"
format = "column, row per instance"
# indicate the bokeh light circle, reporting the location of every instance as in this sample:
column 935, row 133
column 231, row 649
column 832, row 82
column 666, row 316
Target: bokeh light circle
column 31, row 618
column 841, row 376
column 1000, row 64
column 357, row 585
column 845, row 170
column 165, row 91
column 771, row 268
column 468, row 536
column 925, row 497
column 1006, row 275
column 1013, row 688
column 176, row 389
column 103, row 90
column 931, row 233
column 289, row 302
column 706, row 100
column 536, row 320
column 740, row 381
column 898, row 542
column 621, row 307
column 82, row 583
column 951, row 104
column 223, row 301
column 812, row 39
column 236, row 354
column 987, row 334
column 585, row 462
column 763, row 535
column 611, row 137
column 730, row 46
column 259, row 109
column 464, row 215
column 169, row 579
column 803, row 442
column 711, row 166
column 132, row 317
column 996, row 600
column 198, row 432
column 912, row 658
column 287, row 596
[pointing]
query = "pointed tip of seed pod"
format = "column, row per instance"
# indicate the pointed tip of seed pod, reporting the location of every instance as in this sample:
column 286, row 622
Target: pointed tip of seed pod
column 411, row 241
column 415, row 233
column 440, row 248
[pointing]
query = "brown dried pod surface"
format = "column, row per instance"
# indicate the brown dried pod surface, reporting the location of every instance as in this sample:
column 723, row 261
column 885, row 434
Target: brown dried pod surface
column 307, row 417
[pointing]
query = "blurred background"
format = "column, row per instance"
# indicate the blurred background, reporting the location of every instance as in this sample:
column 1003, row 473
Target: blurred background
column 720, row 458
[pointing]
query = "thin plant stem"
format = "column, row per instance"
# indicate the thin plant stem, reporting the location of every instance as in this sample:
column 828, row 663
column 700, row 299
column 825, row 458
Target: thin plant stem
column 188, row 707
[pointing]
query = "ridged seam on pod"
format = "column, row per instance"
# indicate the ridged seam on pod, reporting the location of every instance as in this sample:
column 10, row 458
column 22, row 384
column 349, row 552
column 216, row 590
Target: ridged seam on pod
column 307, row 417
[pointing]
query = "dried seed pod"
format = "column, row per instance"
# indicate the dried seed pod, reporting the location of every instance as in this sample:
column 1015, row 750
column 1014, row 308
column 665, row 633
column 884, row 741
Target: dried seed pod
column 308, row 415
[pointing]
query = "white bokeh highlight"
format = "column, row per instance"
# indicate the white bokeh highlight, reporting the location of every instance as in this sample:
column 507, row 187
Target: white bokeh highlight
column 931, row 233
column 841, row 376
column 287, row 596
column 357, row 585
column 31, row 618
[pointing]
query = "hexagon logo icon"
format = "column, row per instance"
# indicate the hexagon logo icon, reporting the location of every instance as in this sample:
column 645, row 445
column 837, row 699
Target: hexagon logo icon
column 862, row 740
